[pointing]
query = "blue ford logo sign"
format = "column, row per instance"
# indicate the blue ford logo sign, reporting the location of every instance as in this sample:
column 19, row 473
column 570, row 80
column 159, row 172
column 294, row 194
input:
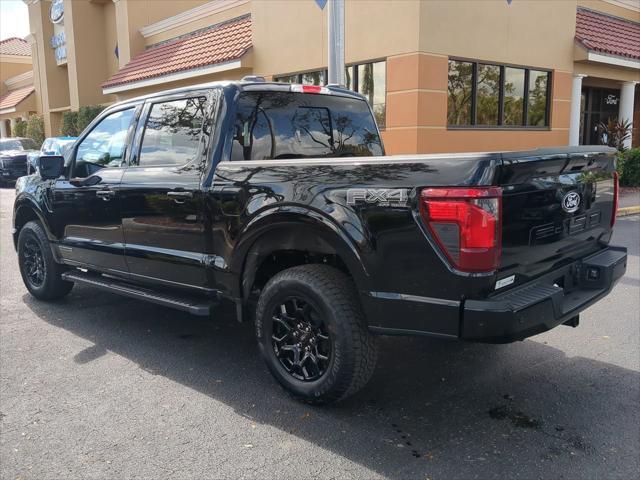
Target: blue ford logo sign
column 57, row 11
column 571, row 202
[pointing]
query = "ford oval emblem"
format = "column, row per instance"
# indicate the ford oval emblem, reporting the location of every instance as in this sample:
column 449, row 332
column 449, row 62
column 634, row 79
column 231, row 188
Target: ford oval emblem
column 571, row 202
column 56, row 12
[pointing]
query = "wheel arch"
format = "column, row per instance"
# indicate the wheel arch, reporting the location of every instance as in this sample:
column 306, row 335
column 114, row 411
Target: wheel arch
column 24, row 211
column 295, row 238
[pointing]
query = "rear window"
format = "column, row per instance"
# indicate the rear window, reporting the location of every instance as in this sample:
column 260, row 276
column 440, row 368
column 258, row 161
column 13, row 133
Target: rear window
column 282, row 125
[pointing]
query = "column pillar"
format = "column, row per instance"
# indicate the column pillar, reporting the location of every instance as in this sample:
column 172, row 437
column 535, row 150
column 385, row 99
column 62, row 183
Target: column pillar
column 3, row 129
column 12, row 123
column 625, row 113
column 576, row 96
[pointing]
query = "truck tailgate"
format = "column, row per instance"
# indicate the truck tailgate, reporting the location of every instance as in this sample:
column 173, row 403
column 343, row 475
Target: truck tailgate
column 557, row 207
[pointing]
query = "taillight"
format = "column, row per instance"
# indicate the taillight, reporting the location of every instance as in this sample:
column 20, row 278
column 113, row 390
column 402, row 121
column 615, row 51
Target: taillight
column 616, row 188
column 467, row 225
column 310, row 89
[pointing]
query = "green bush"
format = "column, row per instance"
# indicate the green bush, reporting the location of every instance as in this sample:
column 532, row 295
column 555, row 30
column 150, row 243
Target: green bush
column 629, row 168
column 69, row 120
column 86, row 115
column 35, row 128
column 73, row 123
column 20, row 130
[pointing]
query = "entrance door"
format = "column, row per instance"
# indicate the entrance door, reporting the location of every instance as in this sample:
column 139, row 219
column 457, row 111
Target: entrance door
column 162, row 199
column 86, row 207
column 599, row 105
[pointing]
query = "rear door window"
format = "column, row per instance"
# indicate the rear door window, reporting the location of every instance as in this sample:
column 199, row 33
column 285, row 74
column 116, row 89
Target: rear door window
column 172, row 132
column 282, row 125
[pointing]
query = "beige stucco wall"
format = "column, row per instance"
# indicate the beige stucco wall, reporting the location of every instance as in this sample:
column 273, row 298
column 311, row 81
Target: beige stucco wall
column 242, row 8
column 290, row 37
column 10, row 69
column 607, row 72
column 612, row 8
column 132, row 15
column 86, row 48
column 527, row 32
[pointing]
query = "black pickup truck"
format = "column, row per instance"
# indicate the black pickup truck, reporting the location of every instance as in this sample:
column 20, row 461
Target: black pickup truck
column 279, row 198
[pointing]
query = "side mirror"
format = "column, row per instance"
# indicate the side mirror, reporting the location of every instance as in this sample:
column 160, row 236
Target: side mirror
column 51, row 166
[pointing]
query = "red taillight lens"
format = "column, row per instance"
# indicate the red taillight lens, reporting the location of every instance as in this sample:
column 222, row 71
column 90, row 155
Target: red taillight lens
column 616, row 193
column 466, row 224
column 310, row 89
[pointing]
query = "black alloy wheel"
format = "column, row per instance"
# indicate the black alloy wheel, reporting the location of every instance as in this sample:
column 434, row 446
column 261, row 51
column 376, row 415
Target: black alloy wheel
column 300, row 339
column 33, row 261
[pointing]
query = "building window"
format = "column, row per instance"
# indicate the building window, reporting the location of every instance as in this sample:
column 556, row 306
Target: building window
column 488, row 95
column 460, row 92
column 513, row 96
column 369, row 79
column 317, row 77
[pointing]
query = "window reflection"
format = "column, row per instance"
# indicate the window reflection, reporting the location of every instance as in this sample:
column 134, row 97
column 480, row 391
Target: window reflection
column 105, row 145
column 475, row 91
column 277, row 125
column 372, row 84
column 172, row 132
column 513, row 96
column 488, row 95
column 459, row 93
column 537, row 102
column 369, row 79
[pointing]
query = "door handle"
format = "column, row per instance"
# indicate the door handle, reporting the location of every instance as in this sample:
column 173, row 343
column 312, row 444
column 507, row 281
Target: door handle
column 179, row 196
column 105, row 195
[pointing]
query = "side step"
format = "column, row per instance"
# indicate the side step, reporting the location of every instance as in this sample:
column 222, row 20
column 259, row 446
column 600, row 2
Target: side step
column 185, row 303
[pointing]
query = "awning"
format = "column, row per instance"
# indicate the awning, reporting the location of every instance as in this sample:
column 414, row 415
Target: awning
column 217, row 48
column 10, row 101
column 608, row 39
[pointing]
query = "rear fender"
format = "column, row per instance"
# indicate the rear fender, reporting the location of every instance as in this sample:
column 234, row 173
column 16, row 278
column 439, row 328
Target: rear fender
column 295, row 228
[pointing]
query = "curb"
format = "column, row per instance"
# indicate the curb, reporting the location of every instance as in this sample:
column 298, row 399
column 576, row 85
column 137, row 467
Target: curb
column 626, row 211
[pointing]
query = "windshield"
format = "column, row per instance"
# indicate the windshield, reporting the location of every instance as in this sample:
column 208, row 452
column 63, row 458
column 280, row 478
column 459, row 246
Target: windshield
column 10, row 145
column 281, row 125
column 18, row 144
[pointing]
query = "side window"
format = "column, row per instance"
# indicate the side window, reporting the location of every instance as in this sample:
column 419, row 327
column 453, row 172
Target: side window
column 105, row 146
column 172, row 133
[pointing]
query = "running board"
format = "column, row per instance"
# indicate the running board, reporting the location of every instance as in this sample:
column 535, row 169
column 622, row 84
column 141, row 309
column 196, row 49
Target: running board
column 185, row 303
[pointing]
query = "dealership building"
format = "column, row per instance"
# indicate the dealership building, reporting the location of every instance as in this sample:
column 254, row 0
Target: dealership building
column 441, row 76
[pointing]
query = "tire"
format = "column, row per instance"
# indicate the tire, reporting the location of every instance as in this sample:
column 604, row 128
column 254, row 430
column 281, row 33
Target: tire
column 40, row 272
column 337, row 326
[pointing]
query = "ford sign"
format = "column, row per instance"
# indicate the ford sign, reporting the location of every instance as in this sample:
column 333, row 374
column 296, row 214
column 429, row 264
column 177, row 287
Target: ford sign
column 571, row 202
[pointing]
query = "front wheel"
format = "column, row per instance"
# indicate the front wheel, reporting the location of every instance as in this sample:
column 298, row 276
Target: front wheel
column 40, row 272
column 312, row 334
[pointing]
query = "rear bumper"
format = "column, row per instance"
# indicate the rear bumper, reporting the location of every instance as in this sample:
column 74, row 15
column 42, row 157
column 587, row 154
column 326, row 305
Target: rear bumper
column 541, row 305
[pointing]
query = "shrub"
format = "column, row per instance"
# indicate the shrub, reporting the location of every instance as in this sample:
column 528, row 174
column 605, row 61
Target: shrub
column 35, row 128
column 614, row 133
column 73, row 123
column 20, row 129
column 69, row 120
column 629, row 168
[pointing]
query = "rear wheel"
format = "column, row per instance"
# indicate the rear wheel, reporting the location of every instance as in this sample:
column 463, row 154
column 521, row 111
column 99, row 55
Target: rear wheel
column 40, row 272
column 312, row 334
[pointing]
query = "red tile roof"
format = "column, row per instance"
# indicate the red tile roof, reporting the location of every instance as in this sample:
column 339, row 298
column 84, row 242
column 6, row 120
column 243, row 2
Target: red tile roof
column 218, row 44
column 15, row 46
column 606, row 34
column 13, row 97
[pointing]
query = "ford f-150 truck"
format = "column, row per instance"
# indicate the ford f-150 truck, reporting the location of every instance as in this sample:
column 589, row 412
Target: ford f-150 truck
column 279, row 198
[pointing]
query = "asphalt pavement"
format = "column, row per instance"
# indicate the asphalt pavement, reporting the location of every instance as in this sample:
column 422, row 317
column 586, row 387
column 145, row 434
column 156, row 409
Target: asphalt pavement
column 101, row 387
